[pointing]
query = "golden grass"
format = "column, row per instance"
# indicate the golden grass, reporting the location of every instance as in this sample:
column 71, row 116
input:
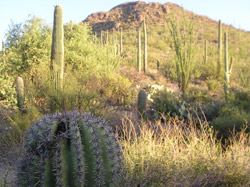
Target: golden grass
column 168, row 154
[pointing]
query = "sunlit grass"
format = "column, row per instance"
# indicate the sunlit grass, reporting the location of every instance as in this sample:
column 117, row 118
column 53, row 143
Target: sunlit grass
column 170, row 155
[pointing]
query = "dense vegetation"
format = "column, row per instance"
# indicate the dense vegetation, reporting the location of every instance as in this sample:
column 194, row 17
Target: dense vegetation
column 194, row 135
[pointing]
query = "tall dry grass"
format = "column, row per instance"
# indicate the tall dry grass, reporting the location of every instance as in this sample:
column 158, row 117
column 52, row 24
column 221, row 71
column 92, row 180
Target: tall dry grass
column 169, row 154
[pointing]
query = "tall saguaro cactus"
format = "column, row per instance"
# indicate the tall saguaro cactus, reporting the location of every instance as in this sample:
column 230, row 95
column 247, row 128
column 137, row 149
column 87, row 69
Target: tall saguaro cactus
column 145, row 47
column 20, row 92
column 228, row 67
column 205, row 53
column 121, row 42
column 3, row 50
column 219, row 62
column 57, row 51
column 139, row 51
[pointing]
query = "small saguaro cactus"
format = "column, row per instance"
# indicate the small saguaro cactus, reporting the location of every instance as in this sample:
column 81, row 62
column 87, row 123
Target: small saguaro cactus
column 70, row 149
column 20, row 92
column 142, row 103
column 228, row 67
column 145, row 47
column 158, row 65
column 219, row 62
column 139, row 51
column 57, row 50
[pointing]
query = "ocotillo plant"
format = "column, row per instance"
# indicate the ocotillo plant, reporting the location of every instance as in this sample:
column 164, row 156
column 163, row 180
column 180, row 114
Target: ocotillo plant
column 145, row 47
column 3, row 51
column 219, row 62
column 121, row 42
column 205, row 53
column 20, row 92
column 228, row 67
column 57, row 51
column 70, row 149
column 115, row 44
column 142, row 103
column 139, row 51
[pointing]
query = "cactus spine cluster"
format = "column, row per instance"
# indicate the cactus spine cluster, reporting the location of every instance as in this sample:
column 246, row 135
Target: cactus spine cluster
column 57, row 51
column 70, row 149
column 139, row 51
column 205, row 53
column 145, row 47
column 20, row 92
column 219, row 49
column 228, row 67
column 142, row 103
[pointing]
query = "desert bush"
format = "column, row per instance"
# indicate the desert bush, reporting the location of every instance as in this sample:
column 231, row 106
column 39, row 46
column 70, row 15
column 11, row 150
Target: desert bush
column 230, row 119
column 169, row 155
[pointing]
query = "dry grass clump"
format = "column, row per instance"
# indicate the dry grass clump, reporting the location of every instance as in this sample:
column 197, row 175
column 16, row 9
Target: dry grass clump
column 172, row 155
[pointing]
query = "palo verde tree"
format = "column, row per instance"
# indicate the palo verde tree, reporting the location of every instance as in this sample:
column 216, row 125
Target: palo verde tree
column 182, row 35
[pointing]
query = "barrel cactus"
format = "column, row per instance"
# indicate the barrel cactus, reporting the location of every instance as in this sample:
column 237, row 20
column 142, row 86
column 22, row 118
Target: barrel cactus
column 70, row 149
column 142, row 103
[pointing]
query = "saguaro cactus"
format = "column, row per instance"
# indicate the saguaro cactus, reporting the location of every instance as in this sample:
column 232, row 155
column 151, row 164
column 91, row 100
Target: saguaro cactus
column 3, row 51
column 158, row 65
column 139, row 52
column 228, row 67
column 142, row 103
column 205, row 53
column 20, row 92
column 145, row 47
column 70, row 149
column 219, row 62
column 57, row 51
column 121, row 42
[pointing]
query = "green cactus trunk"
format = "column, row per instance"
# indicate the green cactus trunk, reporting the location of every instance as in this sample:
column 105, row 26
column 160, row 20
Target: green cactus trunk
column 121, row 42
column 139, row 52
column 70, row 149
column 142, row 103
column 20, row 92
column 205, row 53
column 219, row 62
column 3, row 51
column 228, row 68
column 115, row 44
column 145, row 47
column 101, row 38
column 57, row 51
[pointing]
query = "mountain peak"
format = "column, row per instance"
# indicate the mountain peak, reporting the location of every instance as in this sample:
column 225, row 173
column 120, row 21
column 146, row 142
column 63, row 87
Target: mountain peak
column 129, row 14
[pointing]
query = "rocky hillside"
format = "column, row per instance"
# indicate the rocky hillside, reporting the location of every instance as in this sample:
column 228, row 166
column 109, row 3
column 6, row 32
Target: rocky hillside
column 131, row 14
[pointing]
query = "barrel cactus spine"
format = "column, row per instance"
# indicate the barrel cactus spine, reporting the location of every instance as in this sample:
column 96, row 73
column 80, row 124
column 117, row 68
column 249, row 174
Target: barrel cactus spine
column 20, row 92
column 142, row 103
column 70, row 149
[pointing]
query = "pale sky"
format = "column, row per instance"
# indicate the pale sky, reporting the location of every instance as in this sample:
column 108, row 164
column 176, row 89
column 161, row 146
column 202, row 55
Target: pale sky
column 235, row 12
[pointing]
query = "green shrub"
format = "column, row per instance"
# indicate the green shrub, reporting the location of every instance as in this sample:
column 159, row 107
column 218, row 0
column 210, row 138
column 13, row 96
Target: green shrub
column 230, row 119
